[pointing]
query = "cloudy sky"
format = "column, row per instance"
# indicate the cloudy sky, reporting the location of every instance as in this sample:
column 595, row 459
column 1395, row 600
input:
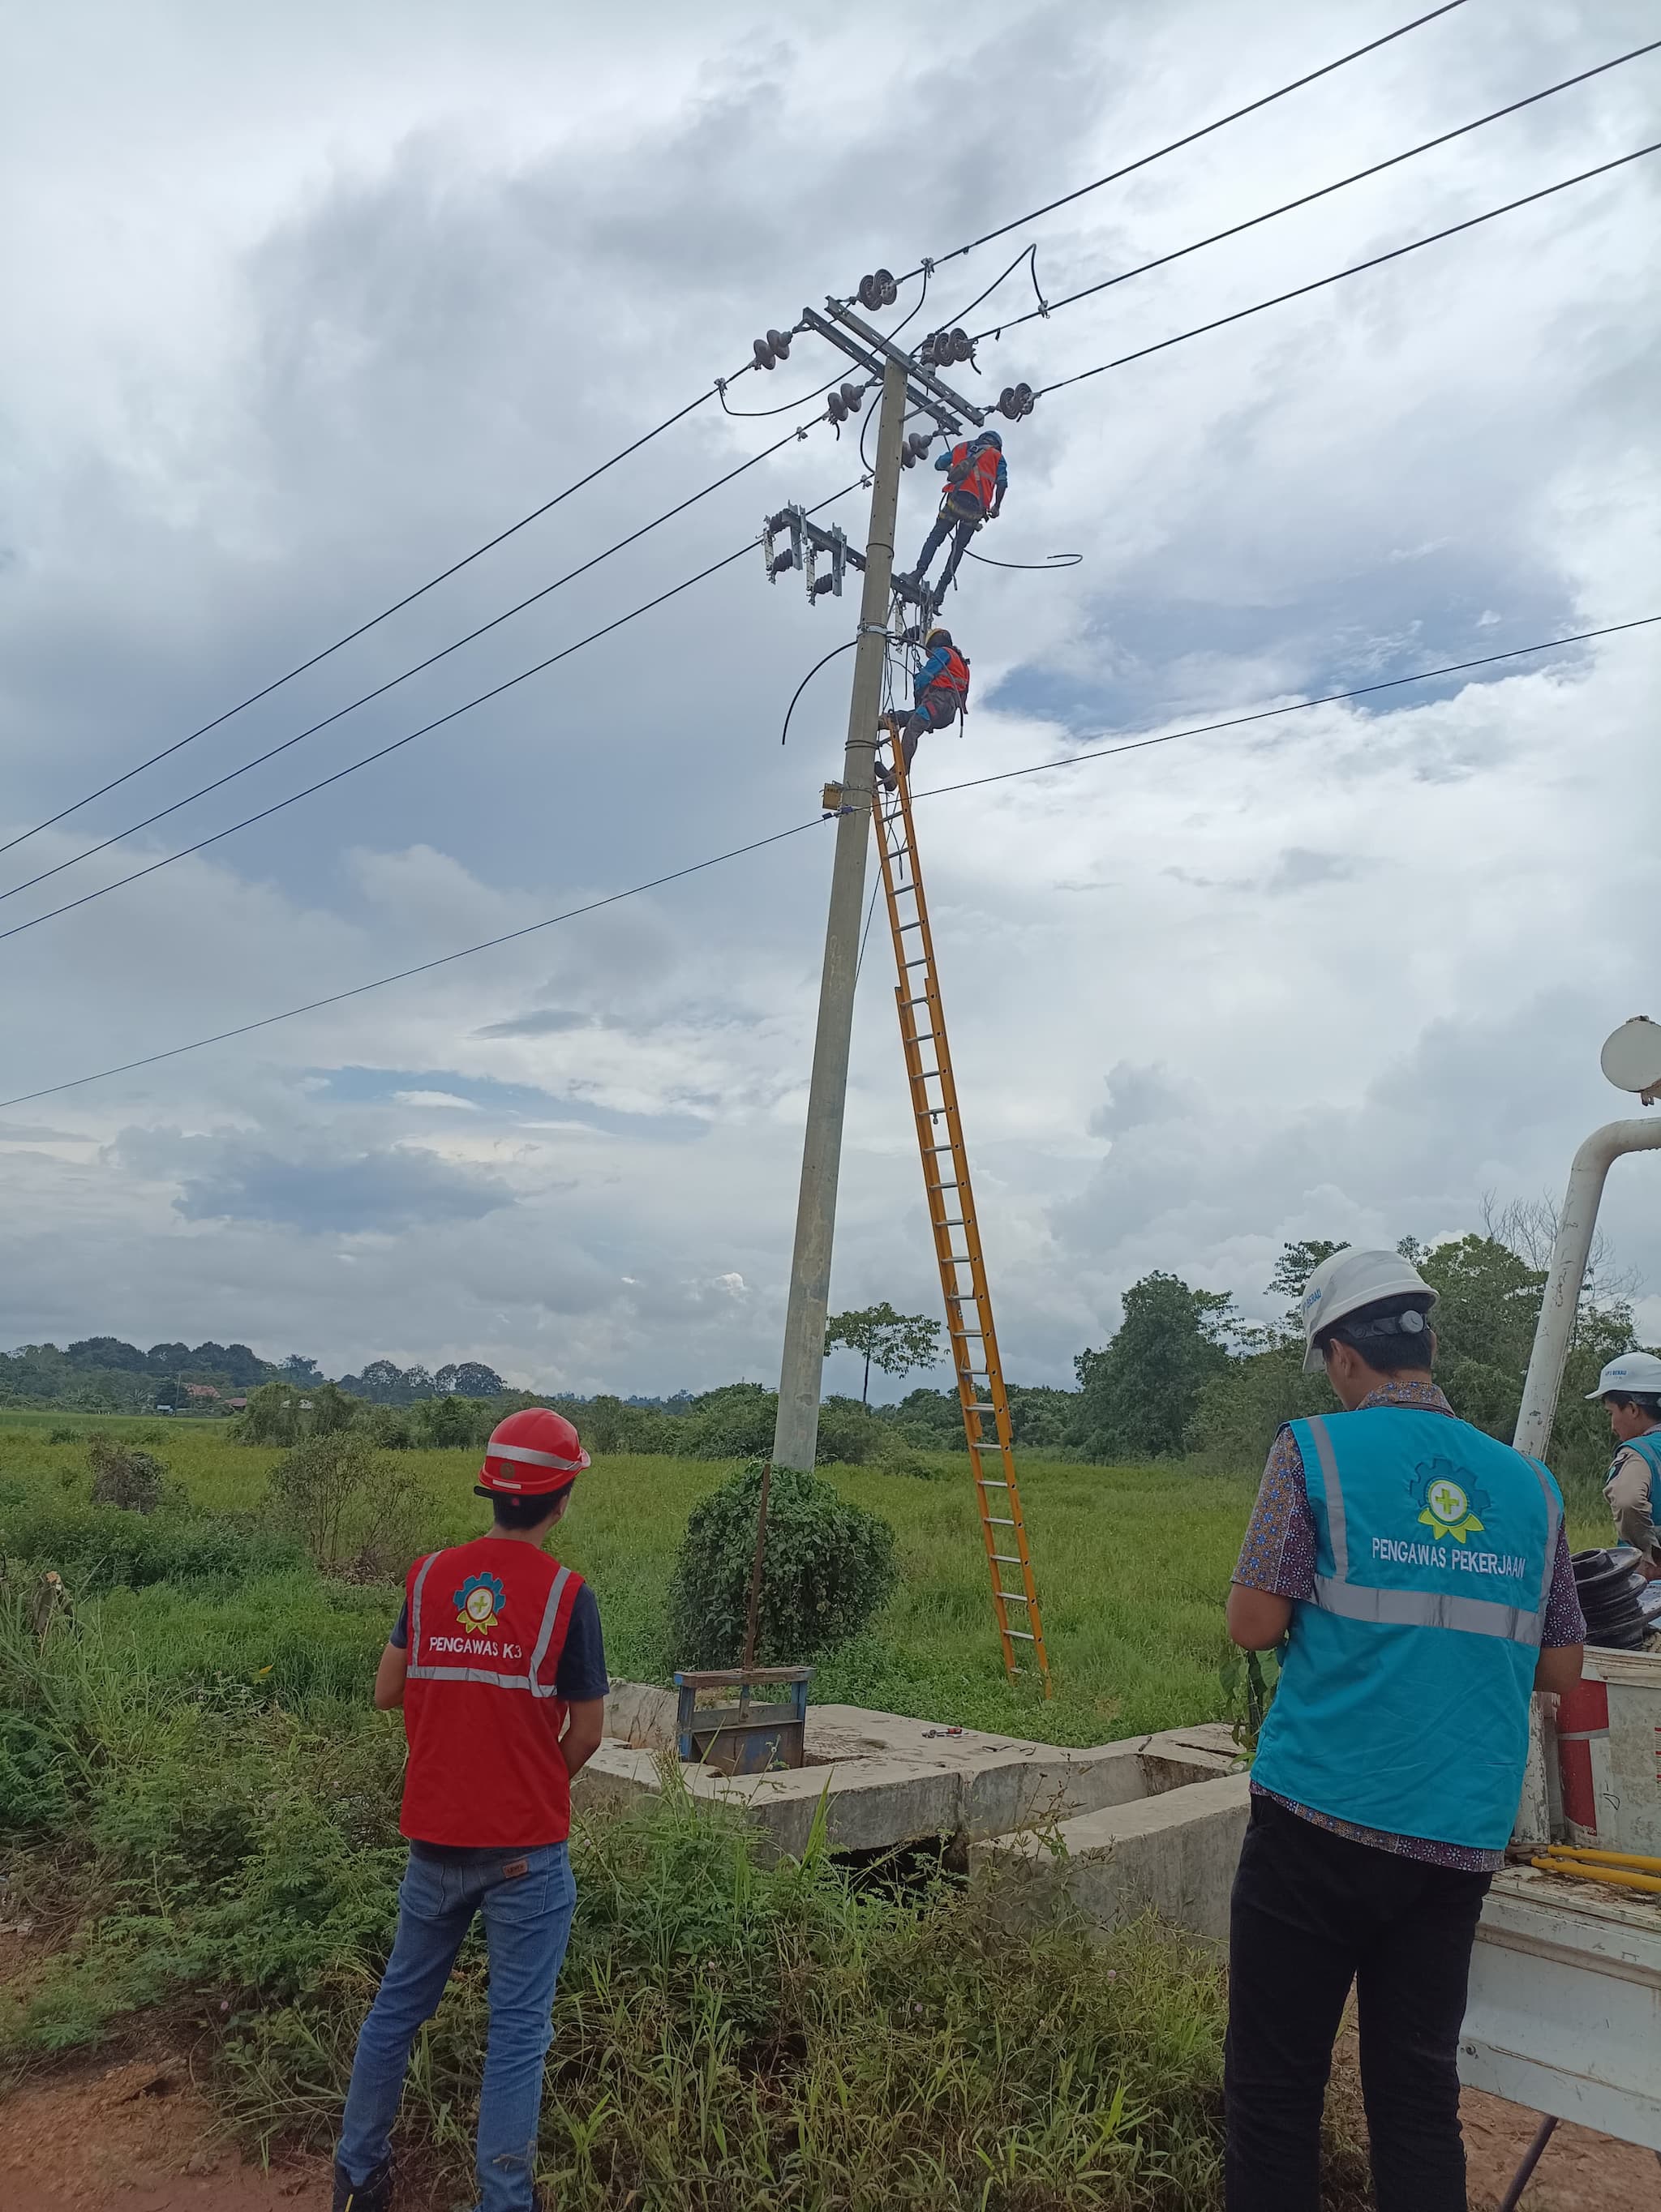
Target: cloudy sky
column 303, row 303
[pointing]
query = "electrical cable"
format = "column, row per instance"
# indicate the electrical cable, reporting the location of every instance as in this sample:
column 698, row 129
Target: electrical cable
column 425, row 967
column 393, row 682
column 397, row 607
column 397, row 744
column 755, row 413
column 1027, row 253
column 846, row 646
column 1191, row 137
column 1298, row 706
column 1356, row 269
column 1046, row 308
column 1070, row 298
column 1050, row 563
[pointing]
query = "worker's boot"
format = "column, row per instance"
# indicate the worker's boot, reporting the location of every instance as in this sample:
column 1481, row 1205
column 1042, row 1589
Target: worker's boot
column 374, row 2195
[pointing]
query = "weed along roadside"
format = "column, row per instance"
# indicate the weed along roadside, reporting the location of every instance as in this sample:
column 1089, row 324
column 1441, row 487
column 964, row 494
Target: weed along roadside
column 200, row 1815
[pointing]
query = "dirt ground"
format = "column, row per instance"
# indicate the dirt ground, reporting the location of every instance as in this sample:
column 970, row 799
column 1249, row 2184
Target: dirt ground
column 136, row 2137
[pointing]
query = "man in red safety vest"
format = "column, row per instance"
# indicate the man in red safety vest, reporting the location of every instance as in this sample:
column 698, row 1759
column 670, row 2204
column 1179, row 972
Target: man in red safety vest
column 977, row 478
column 940, row 692
column 497, row 1663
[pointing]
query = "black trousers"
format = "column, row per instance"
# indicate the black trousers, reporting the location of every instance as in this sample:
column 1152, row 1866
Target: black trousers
column 1312, row 1912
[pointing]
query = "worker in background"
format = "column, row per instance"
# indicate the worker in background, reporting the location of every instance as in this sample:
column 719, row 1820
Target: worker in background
column 1420, row 1576
column 939, row 694
column 1631, row 1389
column 977, row 478
column 498, row 1662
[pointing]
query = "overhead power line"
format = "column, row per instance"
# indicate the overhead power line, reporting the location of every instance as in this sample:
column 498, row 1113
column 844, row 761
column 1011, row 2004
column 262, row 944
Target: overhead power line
column 1039, row 767
column 397, row 744
column 1061, row 384
column 1297, row 707
column 1356, row 269
column 1305, row 199
column 547, row 505
column 426, row 967
column 1189, row 138
column 391, row 683
column 364, row 628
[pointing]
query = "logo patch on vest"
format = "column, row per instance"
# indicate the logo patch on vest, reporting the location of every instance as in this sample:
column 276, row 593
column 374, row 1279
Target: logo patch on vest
column 479, row 1604
column 1446, row 1507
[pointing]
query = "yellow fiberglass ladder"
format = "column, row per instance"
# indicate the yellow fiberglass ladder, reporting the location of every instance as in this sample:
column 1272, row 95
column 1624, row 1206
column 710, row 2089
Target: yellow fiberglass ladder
column 957, row 1237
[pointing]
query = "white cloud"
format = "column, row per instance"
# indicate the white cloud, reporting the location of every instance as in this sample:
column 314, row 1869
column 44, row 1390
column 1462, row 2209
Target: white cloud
column 303, row 316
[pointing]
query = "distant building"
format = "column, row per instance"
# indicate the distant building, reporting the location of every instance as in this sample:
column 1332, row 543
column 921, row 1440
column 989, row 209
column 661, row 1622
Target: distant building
column 236, row 1404
column 201, row 1390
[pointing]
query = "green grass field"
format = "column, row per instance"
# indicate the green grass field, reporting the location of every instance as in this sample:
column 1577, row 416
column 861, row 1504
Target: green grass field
column 1133, row 1566
column 199, row 1810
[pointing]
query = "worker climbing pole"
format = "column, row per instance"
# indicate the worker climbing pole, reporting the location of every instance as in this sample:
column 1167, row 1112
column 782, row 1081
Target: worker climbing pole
column 975, row 478
column 956, row 1230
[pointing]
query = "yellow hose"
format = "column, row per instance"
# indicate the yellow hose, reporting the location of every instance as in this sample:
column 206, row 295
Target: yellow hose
column 1604, row 1858
column 1649, row 1882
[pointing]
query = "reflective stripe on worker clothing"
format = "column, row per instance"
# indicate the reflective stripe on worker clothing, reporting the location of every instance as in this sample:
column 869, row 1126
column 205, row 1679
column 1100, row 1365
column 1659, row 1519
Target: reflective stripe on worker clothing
column 539, row 1652
column 1402, row 1704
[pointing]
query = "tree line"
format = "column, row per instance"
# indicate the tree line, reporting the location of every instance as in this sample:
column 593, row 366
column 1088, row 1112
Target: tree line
column 1185, row 1376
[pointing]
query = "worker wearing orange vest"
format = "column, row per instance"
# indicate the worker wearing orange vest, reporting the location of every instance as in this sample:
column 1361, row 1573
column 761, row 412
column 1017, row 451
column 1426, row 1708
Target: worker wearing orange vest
column 977, row 478
column 940, row 693
column 497, row 1663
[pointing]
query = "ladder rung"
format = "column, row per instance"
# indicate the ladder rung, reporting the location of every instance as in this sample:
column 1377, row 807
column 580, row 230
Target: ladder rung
column 992, row 1521
column 1022, row 1633
column 1008, row 1559
column 942, row 1148
column 1015, row 1597
column 992, row 1482
column 923, row 962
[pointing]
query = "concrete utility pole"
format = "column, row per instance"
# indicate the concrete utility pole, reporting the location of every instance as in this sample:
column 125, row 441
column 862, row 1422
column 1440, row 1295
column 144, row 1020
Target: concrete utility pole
column 795, row 1438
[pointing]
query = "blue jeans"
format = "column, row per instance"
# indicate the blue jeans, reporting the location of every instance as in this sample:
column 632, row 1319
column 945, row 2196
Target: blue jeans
column 527, row 1920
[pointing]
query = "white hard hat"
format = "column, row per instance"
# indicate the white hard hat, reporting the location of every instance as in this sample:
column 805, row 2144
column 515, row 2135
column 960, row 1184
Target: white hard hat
column 1639, row 1371
column 1350, row 1279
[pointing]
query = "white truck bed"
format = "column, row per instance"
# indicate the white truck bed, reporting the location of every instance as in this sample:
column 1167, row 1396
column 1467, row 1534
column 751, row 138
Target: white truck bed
column 1565, row 2007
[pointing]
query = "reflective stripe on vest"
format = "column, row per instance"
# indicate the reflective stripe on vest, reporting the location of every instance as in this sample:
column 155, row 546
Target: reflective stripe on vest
column 528, row 1681
column 1477, row 1616
column 1402, row 1701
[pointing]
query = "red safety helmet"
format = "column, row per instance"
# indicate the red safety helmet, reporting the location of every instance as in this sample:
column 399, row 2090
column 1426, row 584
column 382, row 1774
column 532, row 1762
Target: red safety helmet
column 532, row 1453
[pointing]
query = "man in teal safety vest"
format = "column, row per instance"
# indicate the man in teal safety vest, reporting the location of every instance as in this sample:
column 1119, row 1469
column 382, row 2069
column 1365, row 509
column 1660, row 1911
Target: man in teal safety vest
column 1419, row 1572
column 1631, row 1389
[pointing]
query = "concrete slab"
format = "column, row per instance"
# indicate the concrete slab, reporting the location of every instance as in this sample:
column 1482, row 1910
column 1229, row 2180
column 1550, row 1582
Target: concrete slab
column 1175, row 1851
column 886, row 1780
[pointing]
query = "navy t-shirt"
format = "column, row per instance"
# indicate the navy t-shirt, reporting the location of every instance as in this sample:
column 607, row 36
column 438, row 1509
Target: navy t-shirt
column 580, row 1675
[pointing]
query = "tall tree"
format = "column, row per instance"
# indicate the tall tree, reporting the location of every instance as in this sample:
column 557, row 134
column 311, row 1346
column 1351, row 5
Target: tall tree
column 1137, row 1395
column 895, row 1342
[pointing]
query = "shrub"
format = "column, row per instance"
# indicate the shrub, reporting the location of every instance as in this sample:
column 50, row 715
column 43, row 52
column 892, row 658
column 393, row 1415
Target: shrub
column 124, row 1476
column 735, row 1422
column 353, row 1512
column 830, row 1567
column 64, row 1434
column 850, row 1434
column 101, row 1547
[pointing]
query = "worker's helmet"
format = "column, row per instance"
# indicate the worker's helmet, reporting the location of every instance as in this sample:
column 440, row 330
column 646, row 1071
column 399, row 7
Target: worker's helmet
column 990, row 438
column 1634, row 1374
column 530, row 1454
column 1349, row 1280
column 937, row 636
